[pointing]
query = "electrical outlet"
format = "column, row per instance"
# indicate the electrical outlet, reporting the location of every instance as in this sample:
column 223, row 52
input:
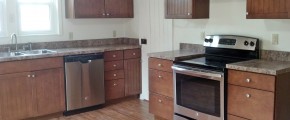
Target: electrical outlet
column 71, row 35
column 114, row 33
column 144, row 41
column 202, row 35
column 275, row 39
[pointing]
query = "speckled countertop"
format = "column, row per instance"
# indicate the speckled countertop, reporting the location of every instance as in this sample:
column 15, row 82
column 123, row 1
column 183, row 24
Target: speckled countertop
column 176, row 54
column 262, row 66
column 72, row 51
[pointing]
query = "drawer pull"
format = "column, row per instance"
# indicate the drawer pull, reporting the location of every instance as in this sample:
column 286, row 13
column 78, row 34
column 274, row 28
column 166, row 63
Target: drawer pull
column 160, row 76
column 248, row 80
column 115, row 75
column 160, row 101
column 115, row 84
column 114, row 65
column 159, row 65
column 134, row 54
column 248, row 95
column 33, row 76
column 197, row 114
column 29, row 76
column 114, row 56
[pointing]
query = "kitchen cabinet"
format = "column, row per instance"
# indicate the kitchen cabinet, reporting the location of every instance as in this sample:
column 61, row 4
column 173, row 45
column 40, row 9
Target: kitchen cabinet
column 258, row 96
column 122, row 73
column 268, row 9
column 99, row 8
column 132, row 69
column 114, row 75
column 17, row 100
column 24, row 89
column 186, row 9
column 161, row 88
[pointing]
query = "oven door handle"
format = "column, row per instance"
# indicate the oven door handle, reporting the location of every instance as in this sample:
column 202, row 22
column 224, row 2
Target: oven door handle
column 207, row 74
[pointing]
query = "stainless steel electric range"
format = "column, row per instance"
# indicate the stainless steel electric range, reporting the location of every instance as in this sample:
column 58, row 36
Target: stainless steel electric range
column 200, row 83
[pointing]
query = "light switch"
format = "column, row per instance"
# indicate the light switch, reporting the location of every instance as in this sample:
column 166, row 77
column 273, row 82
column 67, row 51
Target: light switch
column 275, row 39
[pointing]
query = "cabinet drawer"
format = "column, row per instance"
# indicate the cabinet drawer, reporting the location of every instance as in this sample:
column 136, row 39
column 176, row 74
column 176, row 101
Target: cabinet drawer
column 113, row 75
column 250, row 103
column 114, row 89
column 161, row 82
column 46, row 63
column 160, row 105
column 133, row 53
column 114, row 65
column 160, row 64
column 231, row 117
column 30, row 65
column 252, row 80
column 113, row 55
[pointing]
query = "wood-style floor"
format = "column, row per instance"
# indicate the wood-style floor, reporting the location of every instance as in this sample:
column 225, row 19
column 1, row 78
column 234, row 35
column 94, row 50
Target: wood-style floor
column 132, row 109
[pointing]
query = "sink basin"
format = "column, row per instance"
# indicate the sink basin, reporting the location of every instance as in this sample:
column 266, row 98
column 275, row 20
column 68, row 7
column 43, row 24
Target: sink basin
column 10, row 54
column 38, row 52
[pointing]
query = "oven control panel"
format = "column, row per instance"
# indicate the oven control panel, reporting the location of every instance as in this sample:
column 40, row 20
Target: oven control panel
column 231, row 41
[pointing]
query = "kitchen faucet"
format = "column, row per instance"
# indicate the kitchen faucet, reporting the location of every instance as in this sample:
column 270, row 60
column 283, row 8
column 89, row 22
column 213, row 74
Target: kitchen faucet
column 12, row 37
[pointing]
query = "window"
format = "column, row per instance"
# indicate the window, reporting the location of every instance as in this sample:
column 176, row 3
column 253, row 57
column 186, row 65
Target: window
column 1, row 18
column 38, row 17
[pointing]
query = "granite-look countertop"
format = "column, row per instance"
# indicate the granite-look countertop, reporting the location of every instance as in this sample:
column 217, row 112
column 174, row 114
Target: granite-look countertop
column 261, row 66
column 176, row 54
column 72, row 51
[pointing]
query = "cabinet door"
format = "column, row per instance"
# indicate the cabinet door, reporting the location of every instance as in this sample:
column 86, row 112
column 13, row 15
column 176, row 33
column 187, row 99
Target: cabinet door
column 17, row 99
column 268, row 9
column 89, row 8
column 178, row 8
column 186, row 9
column 119, row 8
column 50, row 91
column 132, row 68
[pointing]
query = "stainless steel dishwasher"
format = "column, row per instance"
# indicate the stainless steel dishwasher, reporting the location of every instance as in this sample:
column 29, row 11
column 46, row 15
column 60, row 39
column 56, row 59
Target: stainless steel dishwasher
column 84, row 76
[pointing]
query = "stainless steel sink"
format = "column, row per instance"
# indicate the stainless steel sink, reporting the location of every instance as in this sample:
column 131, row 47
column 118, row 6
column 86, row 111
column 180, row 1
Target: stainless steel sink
column 38, row 52
column 10, row 54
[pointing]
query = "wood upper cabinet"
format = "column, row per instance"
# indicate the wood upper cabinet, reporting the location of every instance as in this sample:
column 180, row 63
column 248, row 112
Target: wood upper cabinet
column 17, row 100
column 268, row 9
column 186, row 9
column 89, row 8
column 99, row 8
column 50, row 91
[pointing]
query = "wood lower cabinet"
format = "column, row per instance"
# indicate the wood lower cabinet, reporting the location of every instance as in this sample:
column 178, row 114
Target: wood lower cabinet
column 186, row 9
column 27, row 93
column 50, row 91
column 122, row 73
column 99, row 8
column 161, row 88
column 268, row 9
column 257, row 96
column 17, row 98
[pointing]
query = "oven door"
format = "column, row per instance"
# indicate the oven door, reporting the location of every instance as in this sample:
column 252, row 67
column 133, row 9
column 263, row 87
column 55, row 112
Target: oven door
column 199, row 94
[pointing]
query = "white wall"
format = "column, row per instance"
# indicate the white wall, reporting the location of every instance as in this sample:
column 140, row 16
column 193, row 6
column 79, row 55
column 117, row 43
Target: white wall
column 229, row 17
column 82, row 28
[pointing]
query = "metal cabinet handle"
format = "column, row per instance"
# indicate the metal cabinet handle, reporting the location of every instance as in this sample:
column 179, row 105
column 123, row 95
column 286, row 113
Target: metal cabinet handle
column 159, row 76
column 247, row 13
column 29, row 76
column 159, row 65
column 114, row 56
column 248, row 95
column 188, row 14
column 104, row 14
column 114, row 65
column 248, row 80
column 33, row 76
column 115, row 84
column 160, row 101
column 108, row 14
column 86, row 98
column 115, row 75
column 134, row 54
